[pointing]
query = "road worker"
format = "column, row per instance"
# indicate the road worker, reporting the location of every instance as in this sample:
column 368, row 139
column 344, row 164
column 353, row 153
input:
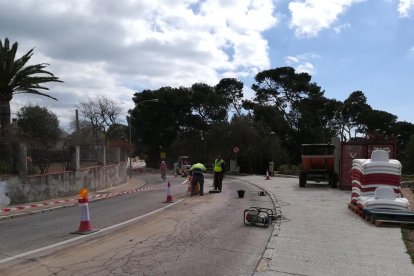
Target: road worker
column 163, row 169
column 218, row 173
column 196, row 171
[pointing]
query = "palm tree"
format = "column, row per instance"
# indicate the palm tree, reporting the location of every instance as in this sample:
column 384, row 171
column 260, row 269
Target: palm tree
column 16, row 78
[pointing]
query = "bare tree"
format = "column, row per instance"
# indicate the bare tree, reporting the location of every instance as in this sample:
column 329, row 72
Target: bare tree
column 99, row 114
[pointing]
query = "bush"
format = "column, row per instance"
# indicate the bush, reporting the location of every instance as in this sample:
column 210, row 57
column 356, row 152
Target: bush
column 5, row 168
column 288, row 169
column 407, row 177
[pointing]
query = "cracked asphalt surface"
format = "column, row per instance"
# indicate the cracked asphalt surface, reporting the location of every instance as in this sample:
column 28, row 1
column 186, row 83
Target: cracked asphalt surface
column 199, row 236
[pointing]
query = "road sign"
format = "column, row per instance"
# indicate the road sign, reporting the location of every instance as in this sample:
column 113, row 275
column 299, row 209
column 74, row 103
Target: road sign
column 236, row 149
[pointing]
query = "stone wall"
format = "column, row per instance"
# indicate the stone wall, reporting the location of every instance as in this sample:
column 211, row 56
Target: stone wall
column 35, row 188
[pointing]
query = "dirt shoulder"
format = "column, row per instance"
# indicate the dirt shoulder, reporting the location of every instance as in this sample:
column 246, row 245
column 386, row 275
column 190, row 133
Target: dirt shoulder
column 408, row 234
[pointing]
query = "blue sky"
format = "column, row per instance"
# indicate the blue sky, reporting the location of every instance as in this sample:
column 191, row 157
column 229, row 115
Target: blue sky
column 373, row 52
column 114, row 48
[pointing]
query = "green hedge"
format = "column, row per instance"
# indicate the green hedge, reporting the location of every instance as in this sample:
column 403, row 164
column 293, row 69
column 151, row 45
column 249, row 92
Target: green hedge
column 288, row 169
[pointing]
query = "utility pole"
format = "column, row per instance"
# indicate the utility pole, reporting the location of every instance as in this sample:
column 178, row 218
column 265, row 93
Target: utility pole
column 272, row 135
column 77, row 126
column 76, row 164
column 130, row 141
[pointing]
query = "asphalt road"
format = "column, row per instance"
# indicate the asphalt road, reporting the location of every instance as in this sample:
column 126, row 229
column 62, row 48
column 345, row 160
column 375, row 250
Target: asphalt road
column 31, row 232
column 198, row 236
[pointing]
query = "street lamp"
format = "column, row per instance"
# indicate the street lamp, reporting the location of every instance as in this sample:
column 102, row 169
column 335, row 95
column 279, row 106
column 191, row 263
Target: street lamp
column 272, row 134
column 130, row 126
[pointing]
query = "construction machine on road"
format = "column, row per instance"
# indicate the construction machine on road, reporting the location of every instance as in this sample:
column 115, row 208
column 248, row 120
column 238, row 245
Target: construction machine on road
column 183, row 165
column 318, row 164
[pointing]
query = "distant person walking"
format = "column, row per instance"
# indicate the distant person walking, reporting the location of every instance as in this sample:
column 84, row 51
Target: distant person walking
column 196, row 171
column 163, row 169
column 219, row 166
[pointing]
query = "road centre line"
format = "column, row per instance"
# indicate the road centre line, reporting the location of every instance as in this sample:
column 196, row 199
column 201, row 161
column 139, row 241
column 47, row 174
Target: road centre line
column 85, row 236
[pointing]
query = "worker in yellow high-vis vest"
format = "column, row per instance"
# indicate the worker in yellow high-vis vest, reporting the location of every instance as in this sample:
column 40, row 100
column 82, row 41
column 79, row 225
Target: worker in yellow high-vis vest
column 218, row 169
column 197, row 171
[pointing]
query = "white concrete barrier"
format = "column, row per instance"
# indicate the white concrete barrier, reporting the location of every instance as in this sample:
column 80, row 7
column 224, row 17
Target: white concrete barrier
column 4, row 198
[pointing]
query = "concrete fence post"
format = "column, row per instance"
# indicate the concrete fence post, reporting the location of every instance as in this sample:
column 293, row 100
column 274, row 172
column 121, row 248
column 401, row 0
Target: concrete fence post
column 23, row 160
column 77, row 158
column 104, row 155
column 118, row 155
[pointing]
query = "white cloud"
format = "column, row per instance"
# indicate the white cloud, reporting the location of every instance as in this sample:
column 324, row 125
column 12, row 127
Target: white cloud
column 309, row 17
column 341, row 27
column 118, row 47
column 301, row 63
column 405, row 7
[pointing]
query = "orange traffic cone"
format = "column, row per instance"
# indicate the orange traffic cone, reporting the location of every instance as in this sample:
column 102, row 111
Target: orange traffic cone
column 169, row 195
column 85, row 226
column 267, row 176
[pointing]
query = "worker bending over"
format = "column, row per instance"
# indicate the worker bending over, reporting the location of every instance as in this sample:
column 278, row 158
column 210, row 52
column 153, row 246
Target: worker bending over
column 196, row 171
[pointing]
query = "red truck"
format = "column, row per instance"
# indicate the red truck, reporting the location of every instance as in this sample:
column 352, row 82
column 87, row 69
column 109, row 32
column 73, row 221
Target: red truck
column 318, row 164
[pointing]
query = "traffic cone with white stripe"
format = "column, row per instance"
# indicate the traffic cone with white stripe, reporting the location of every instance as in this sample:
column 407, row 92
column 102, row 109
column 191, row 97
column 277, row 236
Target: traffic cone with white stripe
column 169, row 194
column 267, row 176
column 85, row 226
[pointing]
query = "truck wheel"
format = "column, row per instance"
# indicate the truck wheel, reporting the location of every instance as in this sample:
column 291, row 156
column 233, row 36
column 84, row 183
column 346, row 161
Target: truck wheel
column 333, row 181
column 302, row 179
